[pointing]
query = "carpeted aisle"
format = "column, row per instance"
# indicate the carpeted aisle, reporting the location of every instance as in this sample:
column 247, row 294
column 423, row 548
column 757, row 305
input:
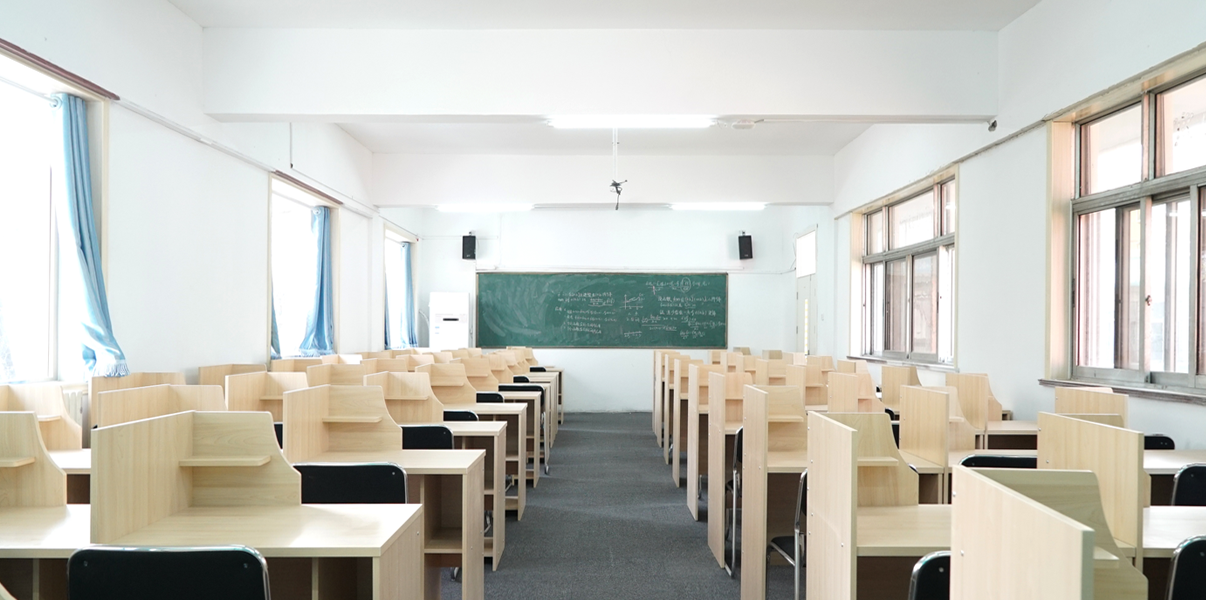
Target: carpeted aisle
column 608, row 523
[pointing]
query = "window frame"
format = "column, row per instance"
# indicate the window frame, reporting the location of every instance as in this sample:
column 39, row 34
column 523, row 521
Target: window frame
column 407, row 237
column 944, row 236
column 305, row 197
column 1153, row 189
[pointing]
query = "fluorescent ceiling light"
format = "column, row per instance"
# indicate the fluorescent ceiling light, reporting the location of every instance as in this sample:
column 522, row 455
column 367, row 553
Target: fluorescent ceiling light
column 632, row 121
column 749, row 206
column 493, row 207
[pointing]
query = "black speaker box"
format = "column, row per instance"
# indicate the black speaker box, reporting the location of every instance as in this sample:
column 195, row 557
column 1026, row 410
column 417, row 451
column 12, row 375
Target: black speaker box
column 745, row 246
column 469, row 247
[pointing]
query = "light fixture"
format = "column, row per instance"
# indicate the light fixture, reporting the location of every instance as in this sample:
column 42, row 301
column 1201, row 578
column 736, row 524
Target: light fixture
column 492, row 207
column 632, row 121
column 719, row 206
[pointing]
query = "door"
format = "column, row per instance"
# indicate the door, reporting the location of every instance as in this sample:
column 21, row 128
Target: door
column 806, row 326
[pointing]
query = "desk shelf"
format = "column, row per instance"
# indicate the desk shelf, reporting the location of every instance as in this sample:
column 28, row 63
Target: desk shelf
column 225, row 461
column 352, row 419
column 444, row 541
column 878, row 461
column 785, row 419
column 49, row 418
column 12, row 462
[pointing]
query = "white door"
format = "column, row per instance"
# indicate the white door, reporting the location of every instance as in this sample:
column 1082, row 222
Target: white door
column 806, row 321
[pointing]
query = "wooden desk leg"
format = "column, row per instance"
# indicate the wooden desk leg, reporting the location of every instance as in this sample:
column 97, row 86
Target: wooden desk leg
column 398, row 572
column 668, row 424
column 719, row 458
column 473, row 568
column 697, row 460
column 680, row 438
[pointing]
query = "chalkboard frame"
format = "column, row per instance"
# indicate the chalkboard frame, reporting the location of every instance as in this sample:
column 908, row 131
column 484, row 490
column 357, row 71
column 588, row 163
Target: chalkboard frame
column 477, row 313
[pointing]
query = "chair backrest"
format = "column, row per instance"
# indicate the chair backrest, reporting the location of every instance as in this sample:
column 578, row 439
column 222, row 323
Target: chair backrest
column 1189, row 486
column 993, row 461
column 490, row 397
column 1158, row 441
column 931, row 579
column 460, row 415
column 351, row 483
column 426, row 437
column 521, row 379
column 537, row 369
column 1187, row 574
column 113, row 573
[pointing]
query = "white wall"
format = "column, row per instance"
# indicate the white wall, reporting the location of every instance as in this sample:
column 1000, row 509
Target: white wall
column 761, row 290
column 187, row 250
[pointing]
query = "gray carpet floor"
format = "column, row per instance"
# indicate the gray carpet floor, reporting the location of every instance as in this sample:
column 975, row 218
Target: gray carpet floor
column 608, row 523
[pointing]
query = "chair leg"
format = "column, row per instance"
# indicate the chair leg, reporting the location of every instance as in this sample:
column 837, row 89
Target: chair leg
column 796, row 566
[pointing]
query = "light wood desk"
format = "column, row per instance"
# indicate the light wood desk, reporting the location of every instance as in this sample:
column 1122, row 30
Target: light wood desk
column 77, row 464
column 59, row 431
column 490, row 436
column 552, row 378
column 531, row 400
column 697, row 430
column 724, row 417
column 1010, row 435
column 669, row 381
column 37, row 541
column 515, row 416
column 679, row 422
column 352, row 424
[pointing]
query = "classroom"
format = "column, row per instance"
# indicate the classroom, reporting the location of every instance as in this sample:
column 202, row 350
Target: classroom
column 826, row 298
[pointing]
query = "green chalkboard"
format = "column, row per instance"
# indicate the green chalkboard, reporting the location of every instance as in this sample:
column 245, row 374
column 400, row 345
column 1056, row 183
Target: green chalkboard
column 602, row 310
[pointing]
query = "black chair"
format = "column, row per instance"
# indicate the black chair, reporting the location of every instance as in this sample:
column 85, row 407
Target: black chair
column 490, row 397
column 280, row 433
column 203, row 573
column 460, row 415
column 797, row 542
column 733, row 489
column 993, row 461
column 538, row 369
column 426, row 437
column 519, row 386
column 931, row 579
column 1157, row 441
column 1189, row 486
column 892, row 414
column 352, row 483
column 1187, row 572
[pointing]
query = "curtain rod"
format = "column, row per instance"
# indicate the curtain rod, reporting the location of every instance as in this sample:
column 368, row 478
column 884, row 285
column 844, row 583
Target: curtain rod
column 54, row 101
column 37, row 61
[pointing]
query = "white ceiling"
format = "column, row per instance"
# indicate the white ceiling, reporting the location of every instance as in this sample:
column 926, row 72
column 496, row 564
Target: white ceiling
column 530, row 136
column 926, row 15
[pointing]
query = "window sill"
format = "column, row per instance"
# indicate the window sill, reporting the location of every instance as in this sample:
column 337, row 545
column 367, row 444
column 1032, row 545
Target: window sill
column 896, row 362
column 1152, row 392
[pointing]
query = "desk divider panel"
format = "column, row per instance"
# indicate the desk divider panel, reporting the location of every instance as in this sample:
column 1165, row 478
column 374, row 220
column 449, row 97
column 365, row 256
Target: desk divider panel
column 1008, row 546
column 150, row 469
column 441, row 358
column 408, row 397
column 402, row 364
column 498, row 366
column 824, row 362
column 337, row 418
column 1095, row 400
column 892, row 378
column 732, row 362
column 843, row 392
column 884, row 478
column 477, row 371
column 335, row 374
column 123, row 406
column 384, row 354
column 513, row 363
column 97, row 385
column 294, row 365
column 770, row 371
column 340, row 359
column 744, row 350
column 59, row 431
column 656, row 420
column 524, row 354
column 679, row 423
column 252, row 392
column 772, row 354
column 930, row 425
column 725, row 396
column 851, row 366
column 714, row 356
column 449, row 383
column 1076, row 495
column 810, row 379
column 1115, row 455
column 832, row 509
column 975, row 398
column 1110, row 419
column 28, row 477
column 403, row 352
column 216, row 374
column 697, row 434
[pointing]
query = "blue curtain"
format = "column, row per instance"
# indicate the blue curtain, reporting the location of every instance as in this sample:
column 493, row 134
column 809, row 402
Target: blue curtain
column 387, row 336
column 408, row 303
column 320, row 326
column 102, row 355
column 276, row 338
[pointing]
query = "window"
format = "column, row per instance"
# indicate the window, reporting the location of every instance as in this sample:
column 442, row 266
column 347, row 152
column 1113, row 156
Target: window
column 399, row 295
column 806, row 254
column 908, row 277
column 294, row 264
column 1138, row 287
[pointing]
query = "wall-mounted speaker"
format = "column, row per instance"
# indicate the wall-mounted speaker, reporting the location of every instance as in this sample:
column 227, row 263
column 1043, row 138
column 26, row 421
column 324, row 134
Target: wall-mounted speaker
column 745, row 246
column 469, row 247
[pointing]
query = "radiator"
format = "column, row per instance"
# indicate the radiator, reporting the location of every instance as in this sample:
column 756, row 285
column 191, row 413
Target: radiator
column 75, row 398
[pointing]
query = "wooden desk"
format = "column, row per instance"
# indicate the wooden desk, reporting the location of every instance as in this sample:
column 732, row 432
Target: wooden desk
column 535, row 431
column 335, row 537
column 490, row 436
column 724, row 418
column 1163, row 466
column 553, row 380
column 911, row 531
column 77, row 464
column 36, row 544
column 679, row 423
column 697, row 430
column 1010, row 435
column 515, row 416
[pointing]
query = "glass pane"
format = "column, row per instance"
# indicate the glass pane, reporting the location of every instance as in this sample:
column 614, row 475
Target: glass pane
column 912, row 221
column 1183, row 127
column 898, row 306
column 294, row 270
column 25, row 236
column 950, row 196
column 395, row 293
column 1168, row 277
column 1131, row 337
column 875, row 232
column 946, row 304
column 925, row 304
column 1096, row 289
column 873, row 281
column 806, row 254
column 1202, row 287
column 1112, row 151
